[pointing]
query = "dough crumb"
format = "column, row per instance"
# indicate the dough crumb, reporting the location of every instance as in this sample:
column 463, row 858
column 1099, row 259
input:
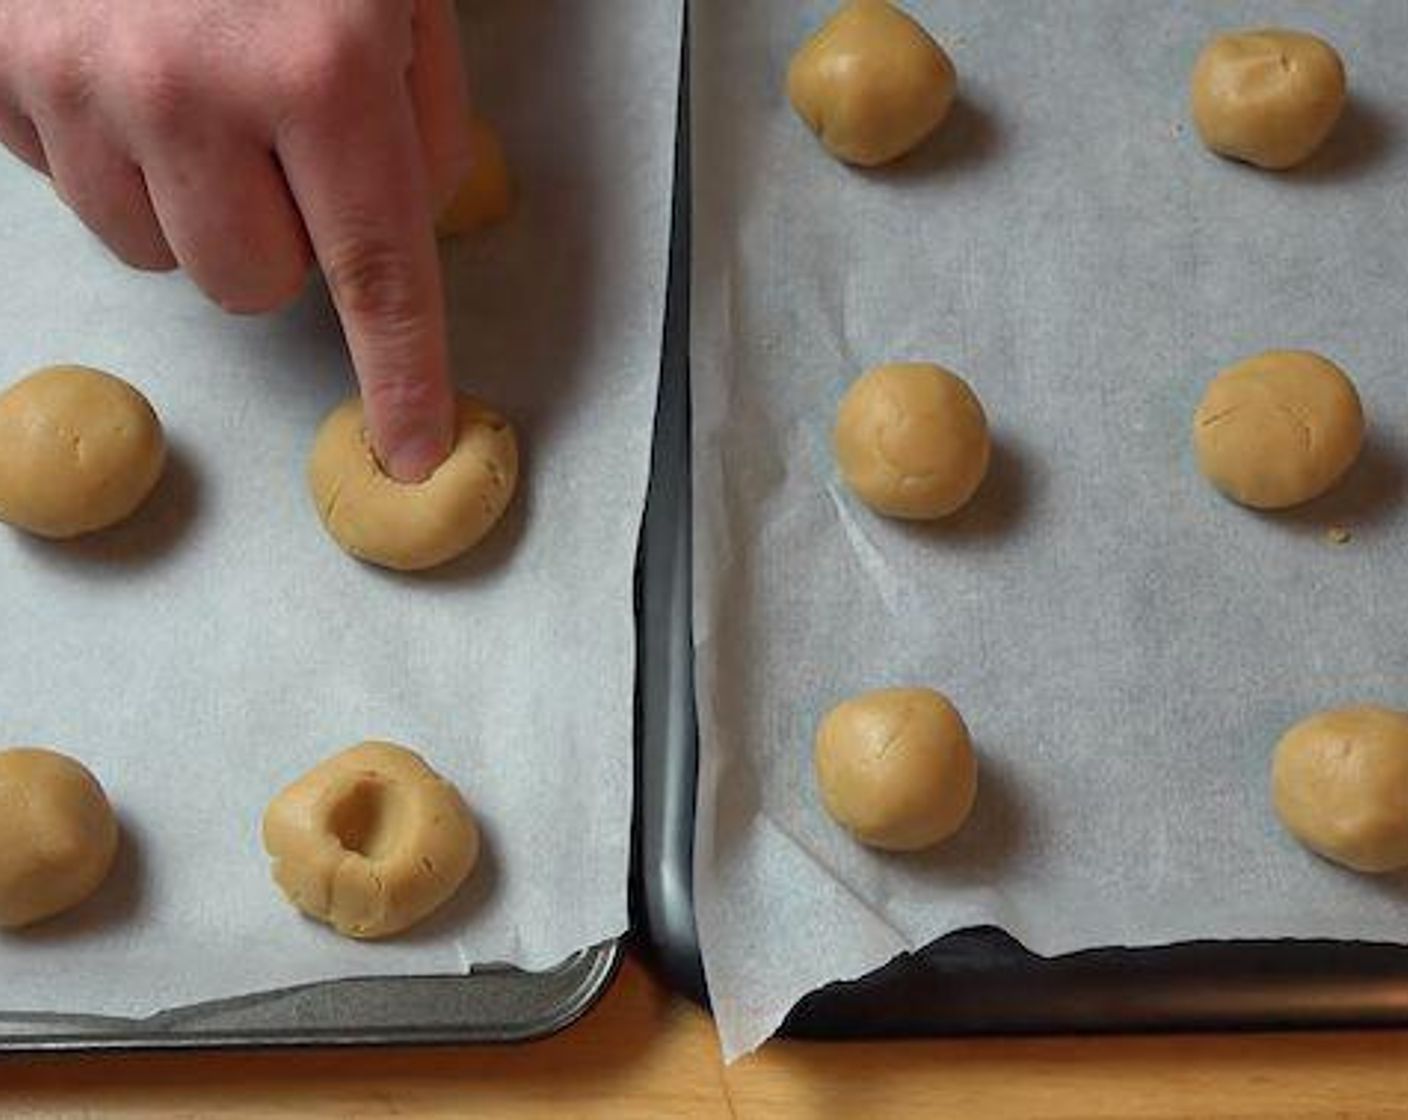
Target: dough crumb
column 1338, row 534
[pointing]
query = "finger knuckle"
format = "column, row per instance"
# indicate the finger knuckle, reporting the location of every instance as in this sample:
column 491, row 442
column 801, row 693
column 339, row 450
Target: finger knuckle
column 375, row 283
column 158, row 92
column 59, row 75
column 330, row 61
column 400, row 394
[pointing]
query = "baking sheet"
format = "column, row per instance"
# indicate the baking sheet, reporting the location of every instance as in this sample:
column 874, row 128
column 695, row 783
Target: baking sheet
column 208, row 653
column 1125, row 645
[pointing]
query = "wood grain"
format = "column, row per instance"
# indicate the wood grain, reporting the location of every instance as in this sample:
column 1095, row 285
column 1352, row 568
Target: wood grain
column 644, row 1053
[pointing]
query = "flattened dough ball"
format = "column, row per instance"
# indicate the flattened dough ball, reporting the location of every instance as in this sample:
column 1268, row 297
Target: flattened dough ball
column 58, row 835
column 80, row 450
column 410, row 526
column 1268, row 97
column 871, row 83
column 370, row 841
column 485, row 196
column 1339, row 781
column 1278, row 429
column 911, row 440
column 896, row 768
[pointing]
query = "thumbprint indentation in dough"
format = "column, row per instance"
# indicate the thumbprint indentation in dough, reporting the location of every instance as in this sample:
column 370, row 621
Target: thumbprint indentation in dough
column 368, row 818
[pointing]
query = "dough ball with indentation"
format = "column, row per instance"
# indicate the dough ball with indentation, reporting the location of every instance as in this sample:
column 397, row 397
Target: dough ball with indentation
column 370, row 841
column 58, row 835
column 410, row 526
column 1278, row 429
column 1339, row 781
column 911, row 440
column 1268, row 97
column 80, row 450
column 871, row 83
column 485, row 195
column 896, row 768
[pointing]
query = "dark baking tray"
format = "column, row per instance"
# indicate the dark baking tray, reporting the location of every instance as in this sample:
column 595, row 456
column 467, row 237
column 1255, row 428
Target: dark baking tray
column 972, row 982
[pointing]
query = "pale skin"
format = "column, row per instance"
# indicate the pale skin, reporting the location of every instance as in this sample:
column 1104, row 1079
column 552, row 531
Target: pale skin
column 242, row 140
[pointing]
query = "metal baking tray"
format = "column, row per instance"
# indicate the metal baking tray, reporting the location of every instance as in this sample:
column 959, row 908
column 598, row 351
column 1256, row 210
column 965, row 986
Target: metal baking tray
column 974, row 981
column 493, row 1004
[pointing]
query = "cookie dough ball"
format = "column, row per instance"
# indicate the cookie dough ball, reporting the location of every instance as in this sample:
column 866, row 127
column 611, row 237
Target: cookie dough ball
column 912, row 440
column 411, row 526
column 58, row 835
column 1278, row 429
column 872, row 83
column 1268, row 97
column 896, row 768
column 1339, row 781
column 370, row 841
column 79, row 450
column 486, row 194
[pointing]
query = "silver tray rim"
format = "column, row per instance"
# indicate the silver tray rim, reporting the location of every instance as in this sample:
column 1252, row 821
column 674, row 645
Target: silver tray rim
column 548, row 1001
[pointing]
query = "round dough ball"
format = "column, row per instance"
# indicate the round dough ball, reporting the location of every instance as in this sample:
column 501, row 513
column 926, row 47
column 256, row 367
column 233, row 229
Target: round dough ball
column 912, row 440
column 79, row 450
column 1339, row 781
column 58, row 835
column 485, row 196
column 370, row 841
column 871, row 83
column 411, row 526
column 1268, row 97
column 896, row 768
column 1278, row 429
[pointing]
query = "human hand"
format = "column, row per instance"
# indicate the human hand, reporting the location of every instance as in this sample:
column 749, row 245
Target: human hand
column 235, row 138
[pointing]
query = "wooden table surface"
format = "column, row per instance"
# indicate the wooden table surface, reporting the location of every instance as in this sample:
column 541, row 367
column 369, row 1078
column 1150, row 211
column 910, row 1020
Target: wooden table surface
column 644, row 1053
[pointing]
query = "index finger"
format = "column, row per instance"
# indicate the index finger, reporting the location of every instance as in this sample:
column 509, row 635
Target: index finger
column 360, row 185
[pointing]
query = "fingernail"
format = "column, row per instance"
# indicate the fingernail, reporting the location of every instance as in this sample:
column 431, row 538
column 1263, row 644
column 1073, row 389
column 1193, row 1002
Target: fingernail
column 414, row 459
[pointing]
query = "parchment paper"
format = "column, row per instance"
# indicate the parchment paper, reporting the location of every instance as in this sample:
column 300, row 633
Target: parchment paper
column 1125, row 645
column 211, row 651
